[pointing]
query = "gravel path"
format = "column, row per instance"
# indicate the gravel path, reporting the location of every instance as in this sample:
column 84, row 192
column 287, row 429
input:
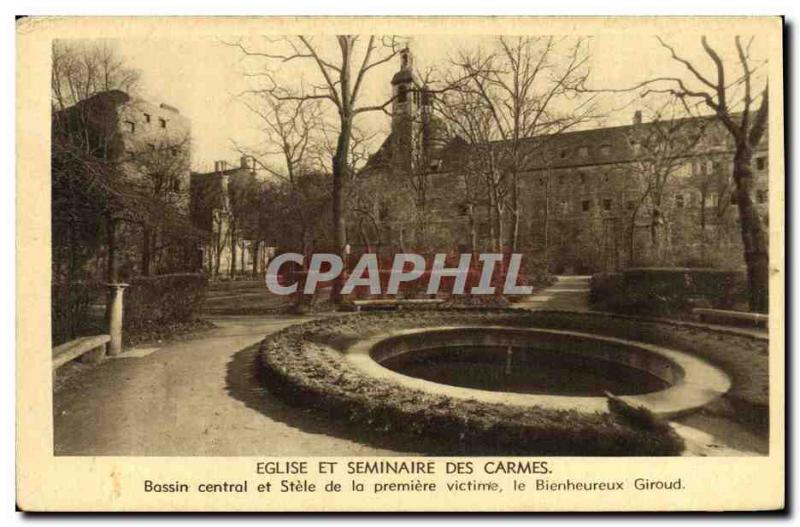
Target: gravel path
column 195, row 397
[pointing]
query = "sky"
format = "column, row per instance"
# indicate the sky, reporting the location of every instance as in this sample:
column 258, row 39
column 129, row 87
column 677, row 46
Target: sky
column 204, row 79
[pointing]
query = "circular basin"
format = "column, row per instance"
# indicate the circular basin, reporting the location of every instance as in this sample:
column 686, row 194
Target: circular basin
column 545, row 367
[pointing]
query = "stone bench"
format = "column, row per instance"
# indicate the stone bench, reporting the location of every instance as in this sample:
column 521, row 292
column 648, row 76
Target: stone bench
column 722, row 316
column 96, row 344
column 393, row 303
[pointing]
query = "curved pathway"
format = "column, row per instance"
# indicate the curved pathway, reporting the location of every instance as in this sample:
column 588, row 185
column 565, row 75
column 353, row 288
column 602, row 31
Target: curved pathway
column 202, row 396
column 197, row 397
column 568, row 293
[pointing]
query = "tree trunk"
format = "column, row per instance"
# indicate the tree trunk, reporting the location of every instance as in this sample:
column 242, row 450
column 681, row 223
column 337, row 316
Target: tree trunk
column 703, row 226
column 473, row 231
column 111, row 261
column 516, row 209
column 753, row 236
column 546, row 249
column 339, row 175
column 233, row 251
column 146, row 251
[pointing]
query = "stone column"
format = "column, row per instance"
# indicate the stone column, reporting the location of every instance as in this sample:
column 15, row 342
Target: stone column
column 114, row 313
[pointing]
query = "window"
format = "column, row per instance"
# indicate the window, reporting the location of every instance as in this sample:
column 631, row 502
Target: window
column 162, row 122
column 607, row 204
column 151, row 147
column 761, row 163
column 637, row 147
column 176, row 185
column 586, row 205
column 560, row 180
column 562, row 154
column 679, row 201
column 582, row 178
column 583, row 151
column 733, row 198
column 631, row 204
column 435, row 165
column 147, row 117
column 130, row 126
column 761, row 196
column 564, row 207
column 401, row 93
column 716, row 167
column 605, row 150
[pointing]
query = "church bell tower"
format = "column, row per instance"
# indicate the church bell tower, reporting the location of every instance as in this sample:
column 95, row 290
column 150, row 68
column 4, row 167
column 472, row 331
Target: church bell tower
column 405, row 111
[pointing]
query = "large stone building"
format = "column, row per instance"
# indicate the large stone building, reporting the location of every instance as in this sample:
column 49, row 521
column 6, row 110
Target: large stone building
column 589, row 200
column 138, row 153
column 221, row 212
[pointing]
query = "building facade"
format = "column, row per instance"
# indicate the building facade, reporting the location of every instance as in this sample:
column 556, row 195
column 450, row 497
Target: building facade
column 223, row 211
column 647, row 193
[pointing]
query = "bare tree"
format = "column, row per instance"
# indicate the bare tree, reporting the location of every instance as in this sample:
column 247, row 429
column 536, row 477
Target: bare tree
column 80, row 70
column 744, row 114
column 339, row 83
column 157, row 199
column 85, row 150
column 660, row 148
column 290, row 129
column 523, row 84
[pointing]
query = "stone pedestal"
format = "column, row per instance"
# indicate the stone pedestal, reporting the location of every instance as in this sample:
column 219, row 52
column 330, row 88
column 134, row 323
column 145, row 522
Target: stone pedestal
column 114, row 313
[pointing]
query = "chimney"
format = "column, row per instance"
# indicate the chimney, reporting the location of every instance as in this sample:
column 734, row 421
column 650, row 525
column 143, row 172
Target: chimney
column 637, row 117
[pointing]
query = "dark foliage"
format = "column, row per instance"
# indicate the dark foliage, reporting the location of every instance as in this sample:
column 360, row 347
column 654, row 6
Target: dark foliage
column 164, row 299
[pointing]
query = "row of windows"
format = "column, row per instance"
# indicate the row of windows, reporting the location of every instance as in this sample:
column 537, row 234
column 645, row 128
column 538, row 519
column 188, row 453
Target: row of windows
column 583, row 151
column 130, row 126
column 697, row 168
column 681, row 201
column 582, row 178
column 173, row 150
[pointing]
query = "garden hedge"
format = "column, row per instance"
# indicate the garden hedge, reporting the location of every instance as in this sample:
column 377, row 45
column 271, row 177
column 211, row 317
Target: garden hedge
column 164, row 299
column 666, row 290
column 305, row 365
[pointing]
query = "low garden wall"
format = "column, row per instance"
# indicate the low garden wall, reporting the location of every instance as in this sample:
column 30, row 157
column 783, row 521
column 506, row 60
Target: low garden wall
column 305, row 364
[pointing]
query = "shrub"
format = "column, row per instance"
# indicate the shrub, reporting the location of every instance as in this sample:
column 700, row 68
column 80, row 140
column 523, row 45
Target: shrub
column 71, row 309
column 164, row 299
column 665, row 290
column 603, row 287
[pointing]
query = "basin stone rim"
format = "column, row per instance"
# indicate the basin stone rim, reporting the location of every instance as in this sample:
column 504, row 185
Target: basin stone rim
column 699, row 384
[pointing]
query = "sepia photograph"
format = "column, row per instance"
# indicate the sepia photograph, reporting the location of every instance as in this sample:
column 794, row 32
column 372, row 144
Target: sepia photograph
column 517, row 243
